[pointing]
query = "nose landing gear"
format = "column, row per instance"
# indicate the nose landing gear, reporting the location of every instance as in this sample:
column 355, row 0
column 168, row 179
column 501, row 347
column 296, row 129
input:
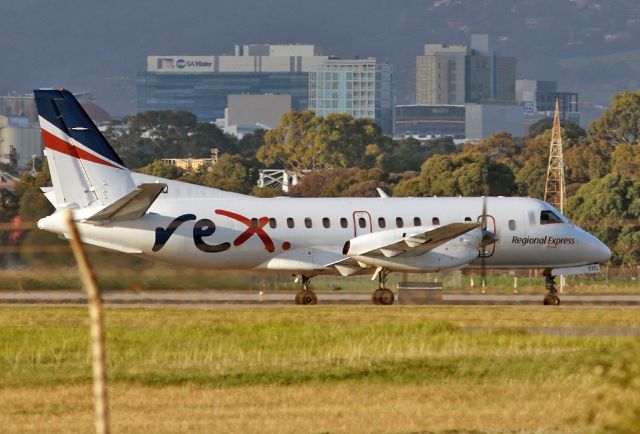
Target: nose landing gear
column 383, row 295
column 551, row 298
column 305, row 295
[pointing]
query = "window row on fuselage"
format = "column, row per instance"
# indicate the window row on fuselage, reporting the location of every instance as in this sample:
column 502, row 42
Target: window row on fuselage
column 546, row 217
column 343, row 222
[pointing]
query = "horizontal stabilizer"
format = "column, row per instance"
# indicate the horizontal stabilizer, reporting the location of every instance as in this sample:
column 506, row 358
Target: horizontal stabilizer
column 50, row 194
column 132, row 205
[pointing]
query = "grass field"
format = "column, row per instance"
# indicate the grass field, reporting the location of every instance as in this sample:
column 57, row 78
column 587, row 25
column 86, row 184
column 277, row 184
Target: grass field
column 326, row 369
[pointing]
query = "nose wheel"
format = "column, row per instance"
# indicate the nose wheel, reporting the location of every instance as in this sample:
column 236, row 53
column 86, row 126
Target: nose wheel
column 551, row 297
column 382, row 295
column 305, row 295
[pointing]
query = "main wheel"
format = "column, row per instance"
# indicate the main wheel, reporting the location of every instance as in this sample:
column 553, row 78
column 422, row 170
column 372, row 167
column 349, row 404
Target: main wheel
column 376, row 297
column 551, row 299
column 299, row 296
column 387, row 297
column 309, row 297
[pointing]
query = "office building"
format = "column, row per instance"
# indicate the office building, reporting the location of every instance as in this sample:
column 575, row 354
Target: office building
column 201, row 84
column 362, row 88
column 440, row 75
column 538, row 99
column 490, row 77
column 457, row 74
column 482, row 120
column 426, row 122
column 247, row 113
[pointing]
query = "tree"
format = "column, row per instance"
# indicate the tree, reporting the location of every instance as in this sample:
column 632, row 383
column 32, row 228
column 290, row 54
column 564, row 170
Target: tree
column 339, row 182
column 534, row 157
column 570, row 130
column 587, row 161
column 465, row 174
column 229, row 174
column 162, row 170
column 625, row 160
column 304, row 141
column 154, row 135
column 409, row 154
column 620, row 123
column 297, row 144
column 610, row 209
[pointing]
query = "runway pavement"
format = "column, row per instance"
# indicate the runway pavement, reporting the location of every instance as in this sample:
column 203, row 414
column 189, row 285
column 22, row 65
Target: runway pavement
column 253, row 298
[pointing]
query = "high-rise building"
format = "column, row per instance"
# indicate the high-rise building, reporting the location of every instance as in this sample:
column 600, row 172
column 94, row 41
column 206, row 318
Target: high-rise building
column 201, row 84
column 490, row 77
column 362, row 88
column 457, row 74
column 440, row 75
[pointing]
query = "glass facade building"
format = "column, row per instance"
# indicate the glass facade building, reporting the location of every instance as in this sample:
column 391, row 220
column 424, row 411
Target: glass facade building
column 362, row 88
column 205, row 93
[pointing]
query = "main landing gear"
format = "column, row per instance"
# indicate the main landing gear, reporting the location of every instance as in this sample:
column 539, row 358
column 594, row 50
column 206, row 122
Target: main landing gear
column 551, row 298
column 305, row 295
column 383, row 295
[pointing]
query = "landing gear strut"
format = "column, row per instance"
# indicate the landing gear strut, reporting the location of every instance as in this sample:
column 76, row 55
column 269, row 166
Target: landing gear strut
column 551, row 298
column 383, row 295
column 305, row 295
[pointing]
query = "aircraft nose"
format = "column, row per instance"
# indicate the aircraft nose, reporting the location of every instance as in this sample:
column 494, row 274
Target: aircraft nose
column 603, row 252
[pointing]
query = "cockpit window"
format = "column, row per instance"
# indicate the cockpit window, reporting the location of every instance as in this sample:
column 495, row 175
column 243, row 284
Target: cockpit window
column 549, row 217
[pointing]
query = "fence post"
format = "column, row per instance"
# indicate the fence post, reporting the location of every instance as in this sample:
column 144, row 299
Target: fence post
column 96, row 322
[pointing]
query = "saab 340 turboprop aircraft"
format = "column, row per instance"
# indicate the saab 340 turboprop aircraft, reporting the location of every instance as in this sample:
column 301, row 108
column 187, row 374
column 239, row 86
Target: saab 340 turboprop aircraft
column 195, row 226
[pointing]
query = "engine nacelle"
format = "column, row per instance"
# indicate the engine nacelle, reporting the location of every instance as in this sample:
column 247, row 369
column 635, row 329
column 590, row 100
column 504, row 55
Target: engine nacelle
column 368, row 242
column 441, row 258
column 375, row 250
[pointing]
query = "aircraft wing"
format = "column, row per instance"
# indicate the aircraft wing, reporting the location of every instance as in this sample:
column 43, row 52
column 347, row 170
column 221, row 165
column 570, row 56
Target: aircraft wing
column 417, row 244
column 396, row 242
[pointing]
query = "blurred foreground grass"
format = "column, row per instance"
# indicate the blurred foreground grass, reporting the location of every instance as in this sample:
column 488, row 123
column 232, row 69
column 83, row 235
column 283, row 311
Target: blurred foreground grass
column 332, row 369
column 161, row 277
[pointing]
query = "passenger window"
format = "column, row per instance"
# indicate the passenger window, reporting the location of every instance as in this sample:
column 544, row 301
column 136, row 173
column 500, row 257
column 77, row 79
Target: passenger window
column 549, row 217
column 344, row 222
column 307, row 222
column 290, row 223
column 435, row 221
column 272, row 223
column 399, row 222
column 467, row 219
column 362, row 222
column 254, row 222
column 512, row 225
column 326, row 222
column 417, row 221
column 381, row 223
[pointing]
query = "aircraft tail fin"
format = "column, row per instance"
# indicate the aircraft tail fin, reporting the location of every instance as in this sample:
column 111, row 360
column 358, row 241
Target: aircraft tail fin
column 85, row 170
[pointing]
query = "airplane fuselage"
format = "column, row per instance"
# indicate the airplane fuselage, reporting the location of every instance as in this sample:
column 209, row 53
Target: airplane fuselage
column 297, row 234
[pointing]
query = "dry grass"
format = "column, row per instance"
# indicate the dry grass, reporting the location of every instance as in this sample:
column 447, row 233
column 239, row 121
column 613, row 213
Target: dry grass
column 339, row 408
column 323, row 369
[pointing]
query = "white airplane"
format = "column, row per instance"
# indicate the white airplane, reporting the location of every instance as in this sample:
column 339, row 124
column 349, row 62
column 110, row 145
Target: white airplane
column 195, row 226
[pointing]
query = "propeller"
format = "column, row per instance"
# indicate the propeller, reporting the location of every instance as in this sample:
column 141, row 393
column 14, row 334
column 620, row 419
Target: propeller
column 488, row 238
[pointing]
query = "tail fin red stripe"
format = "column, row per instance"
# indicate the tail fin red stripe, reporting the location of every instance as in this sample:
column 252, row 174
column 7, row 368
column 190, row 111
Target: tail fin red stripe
column 57, row 144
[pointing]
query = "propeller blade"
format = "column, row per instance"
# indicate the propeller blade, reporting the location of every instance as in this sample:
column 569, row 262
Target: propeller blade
column 483, row 223
column 486, row 240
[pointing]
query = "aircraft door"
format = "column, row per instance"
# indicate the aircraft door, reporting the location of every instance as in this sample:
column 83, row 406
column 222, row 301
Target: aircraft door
column 361, row 223
column 491, row 227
